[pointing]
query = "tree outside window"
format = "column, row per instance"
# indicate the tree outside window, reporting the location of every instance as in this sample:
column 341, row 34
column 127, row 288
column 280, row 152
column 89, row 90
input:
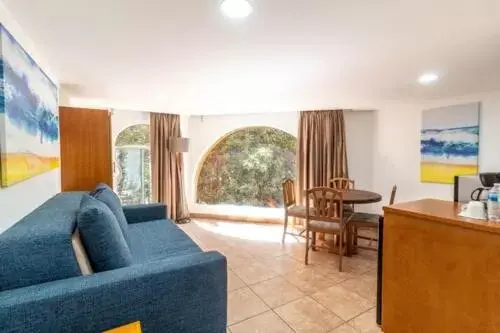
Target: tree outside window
column 247, row 168
column 133, row 165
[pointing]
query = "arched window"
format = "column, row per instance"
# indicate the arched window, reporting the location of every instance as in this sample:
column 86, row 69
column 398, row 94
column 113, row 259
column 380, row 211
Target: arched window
column 133, row 165
column 247, row 168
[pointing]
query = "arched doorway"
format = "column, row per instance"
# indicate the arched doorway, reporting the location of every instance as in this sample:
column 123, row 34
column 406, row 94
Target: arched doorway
column 246, row 167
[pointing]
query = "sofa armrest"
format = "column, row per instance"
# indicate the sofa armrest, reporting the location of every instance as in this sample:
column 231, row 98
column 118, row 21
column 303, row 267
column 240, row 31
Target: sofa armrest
column 181, row 294
column 145, row 213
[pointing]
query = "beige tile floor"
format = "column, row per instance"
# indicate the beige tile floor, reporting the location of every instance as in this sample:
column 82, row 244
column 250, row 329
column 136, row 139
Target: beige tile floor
column 270, row 290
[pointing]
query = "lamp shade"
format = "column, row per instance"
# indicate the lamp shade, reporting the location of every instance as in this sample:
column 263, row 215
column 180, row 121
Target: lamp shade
column 178, row 145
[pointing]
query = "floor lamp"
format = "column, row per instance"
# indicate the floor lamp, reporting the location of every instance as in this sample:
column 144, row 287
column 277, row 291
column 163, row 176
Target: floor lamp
column 179, row 145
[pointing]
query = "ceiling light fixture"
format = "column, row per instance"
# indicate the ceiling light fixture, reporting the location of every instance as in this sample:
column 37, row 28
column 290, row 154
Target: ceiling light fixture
column 428, row 78
column 236, row 8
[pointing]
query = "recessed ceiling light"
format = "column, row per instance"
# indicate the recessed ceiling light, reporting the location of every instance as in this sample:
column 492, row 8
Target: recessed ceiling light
column 428, row 78
column 236, row 8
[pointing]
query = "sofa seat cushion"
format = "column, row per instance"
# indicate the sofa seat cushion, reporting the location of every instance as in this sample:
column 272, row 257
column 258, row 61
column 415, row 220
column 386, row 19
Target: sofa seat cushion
column 157, row 240
column 101, row 236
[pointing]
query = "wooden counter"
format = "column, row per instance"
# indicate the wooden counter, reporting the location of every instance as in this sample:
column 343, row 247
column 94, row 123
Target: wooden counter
column 441, row 272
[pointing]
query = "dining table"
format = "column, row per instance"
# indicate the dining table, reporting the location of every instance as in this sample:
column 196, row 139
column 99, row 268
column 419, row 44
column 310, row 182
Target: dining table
column 358, row 197
column 354, row 197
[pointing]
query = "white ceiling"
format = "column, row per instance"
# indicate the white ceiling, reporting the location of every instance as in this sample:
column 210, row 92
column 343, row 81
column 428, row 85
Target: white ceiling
column 185, row 57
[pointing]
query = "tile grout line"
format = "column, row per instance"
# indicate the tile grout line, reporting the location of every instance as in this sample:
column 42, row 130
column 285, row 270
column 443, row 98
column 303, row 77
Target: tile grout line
column 348, row 322
column 256, row 315
column 272, row 309
column 253, row 284
column 283, row 320
column 262, row 259
column 315, row 301
column 331, row 311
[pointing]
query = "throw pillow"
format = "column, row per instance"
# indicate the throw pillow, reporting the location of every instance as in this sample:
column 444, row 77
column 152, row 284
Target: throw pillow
column 105, row 194
column 101, row 236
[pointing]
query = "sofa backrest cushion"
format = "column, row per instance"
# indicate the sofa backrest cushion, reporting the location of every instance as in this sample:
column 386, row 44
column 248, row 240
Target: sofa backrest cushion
column 106, row 194
column 38, row 248
column 101, row 236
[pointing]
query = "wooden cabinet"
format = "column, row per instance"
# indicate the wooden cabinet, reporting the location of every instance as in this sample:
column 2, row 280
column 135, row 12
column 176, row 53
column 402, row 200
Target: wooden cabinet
column 441, row 272
column 85, row 148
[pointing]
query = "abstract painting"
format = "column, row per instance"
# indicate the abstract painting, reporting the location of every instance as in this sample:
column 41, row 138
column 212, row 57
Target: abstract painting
column 449, row 143
column 29, row 121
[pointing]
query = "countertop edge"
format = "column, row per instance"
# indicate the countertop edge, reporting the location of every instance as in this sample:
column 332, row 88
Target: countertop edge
column 403, row 209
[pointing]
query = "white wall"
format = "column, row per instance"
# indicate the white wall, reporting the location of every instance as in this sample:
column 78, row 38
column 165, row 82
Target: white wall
column 18, row 200
column 360, row 134
column 122, row 119
column 397, row 146
column 204, row 131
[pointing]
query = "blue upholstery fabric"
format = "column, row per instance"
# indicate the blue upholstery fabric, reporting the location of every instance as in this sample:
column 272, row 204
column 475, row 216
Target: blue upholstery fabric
column 38, row 248
column 172, row 287
column 157, row 240
column 101, row 236
column 105, row 194
column 145, row 213
column 185, row 294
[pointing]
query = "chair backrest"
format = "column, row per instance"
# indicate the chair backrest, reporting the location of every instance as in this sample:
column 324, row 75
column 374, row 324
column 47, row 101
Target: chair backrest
column 343, row 184
column 393, row 195
column 289, row 198
column 322, row 203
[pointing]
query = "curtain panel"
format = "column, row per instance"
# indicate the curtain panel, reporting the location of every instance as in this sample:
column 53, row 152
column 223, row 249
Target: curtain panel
column 321, row 149
column 167, row 168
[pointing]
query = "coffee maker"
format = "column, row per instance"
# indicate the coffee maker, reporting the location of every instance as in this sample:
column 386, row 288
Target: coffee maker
column 488, row 180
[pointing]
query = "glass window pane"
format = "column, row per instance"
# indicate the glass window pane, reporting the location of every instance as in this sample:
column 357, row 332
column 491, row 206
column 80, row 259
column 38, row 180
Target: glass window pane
column 133, row 165
column 131, row 184
column 146, row 158
column 247, row 168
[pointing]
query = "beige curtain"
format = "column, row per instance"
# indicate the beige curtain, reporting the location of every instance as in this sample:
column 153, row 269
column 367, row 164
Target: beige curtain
column 167, row 170
column 321, row 149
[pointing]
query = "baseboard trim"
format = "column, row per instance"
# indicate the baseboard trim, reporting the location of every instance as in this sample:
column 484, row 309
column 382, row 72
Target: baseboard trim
column 233, row 218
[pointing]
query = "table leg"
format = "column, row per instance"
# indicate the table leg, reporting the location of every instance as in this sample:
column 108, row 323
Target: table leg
column 349, row 241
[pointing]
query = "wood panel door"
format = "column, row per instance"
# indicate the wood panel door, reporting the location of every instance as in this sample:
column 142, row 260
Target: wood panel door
column 85, row 148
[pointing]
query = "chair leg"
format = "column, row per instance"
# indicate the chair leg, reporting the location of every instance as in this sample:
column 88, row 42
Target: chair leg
column 340, row 249
column 313, row 241
column 284, row 228
column 307, row 247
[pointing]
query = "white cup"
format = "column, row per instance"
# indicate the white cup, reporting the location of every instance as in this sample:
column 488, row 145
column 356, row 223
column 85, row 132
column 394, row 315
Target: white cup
column 475, row 210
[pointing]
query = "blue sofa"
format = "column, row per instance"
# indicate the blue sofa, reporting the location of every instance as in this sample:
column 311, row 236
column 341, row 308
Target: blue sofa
column 170, row 286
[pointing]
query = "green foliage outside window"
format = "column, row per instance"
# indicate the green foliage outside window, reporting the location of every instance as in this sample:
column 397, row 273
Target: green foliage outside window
column 247, row 168
column 136, row 135
column 133, row 161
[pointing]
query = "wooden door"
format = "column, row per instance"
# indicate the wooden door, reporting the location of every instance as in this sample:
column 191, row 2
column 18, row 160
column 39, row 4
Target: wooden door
column 85, row 148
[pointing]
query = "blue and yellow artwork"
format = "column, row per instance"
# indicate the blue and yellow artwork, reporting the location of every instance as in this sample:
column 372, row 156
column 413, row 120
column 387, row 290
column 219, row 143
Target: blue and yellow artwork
column 29, row 121
column 449, row 143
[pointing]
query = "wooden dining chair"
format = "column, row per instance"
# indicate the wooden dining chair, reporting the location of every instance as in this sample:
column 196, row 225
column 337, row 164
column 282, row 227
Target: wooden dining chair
column 292, row 209
column 344, row 184
column 367, row 221
column 323, row 215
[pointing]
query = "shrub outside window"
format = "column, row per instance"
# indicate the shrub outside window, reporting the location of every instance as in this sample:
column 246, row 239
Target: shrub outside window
column 247, row 167
column 133, row 165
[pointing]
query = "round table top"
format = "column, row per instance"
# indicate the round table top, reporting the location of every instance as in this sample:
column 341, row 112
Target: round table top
column 360, row 197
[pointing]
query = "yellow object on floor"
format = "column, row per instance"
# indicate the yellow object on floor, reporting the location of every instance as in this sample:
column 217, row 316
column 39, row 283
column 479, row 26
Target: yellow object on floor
column 130, row 328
